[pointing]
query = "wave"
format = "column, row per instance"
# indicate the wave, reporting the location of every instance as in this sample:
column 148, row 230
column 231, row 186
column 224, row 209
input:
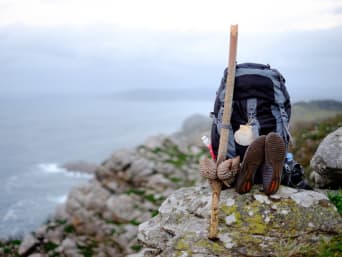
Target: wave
column 58, row 199
column 54, row 168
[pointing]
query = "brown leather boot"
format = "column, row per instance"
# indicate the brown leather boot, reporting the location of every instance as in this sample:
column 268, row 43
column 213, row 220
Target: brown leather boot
column 274, row 161
column 254, row 157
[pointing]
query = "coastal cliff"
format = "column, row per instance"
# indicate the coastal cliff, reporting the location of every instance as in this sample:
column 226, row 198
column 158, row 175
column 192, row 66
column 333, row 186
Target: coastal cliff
column 151, row 201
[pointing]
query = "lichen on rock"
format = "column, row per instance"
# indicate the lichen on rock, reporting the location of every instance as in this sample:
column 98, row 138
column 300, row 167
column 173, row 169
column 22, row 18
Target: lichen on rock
column 251, row 224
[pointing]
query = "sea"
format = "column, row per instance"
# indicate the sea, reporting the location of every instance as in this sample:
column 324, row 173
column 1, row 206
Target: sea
column 41, row 132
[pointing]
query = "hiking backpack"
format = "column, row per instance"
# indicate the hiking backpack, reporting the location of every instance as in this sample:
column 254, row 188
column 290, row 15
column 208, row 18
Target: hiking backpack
column 260, row 99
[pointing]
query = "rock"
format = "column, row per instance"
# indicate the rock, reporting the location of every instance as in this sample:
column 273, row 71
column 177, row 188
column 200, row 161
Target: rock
column 120, row 160
column 192, row 130
column 80, row 166
column 68, row 243
column 139, row 170
column 159, row 183
column 73, row 253
column 249, row 225
column 54, row 236
column 121, row 209
column 147, row 252
column 326, row 164
column 155, row 141
column 36, row 255
column 27, row 244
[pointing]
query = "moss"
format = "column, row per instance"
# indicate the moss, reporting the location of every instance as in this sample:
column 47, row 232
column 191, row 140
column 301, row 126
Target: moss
column 50, row 246
column 181, row 245
column 331, row 248
column 61, row 221
column 10, row 248
column 228, row 210
column 69, row 229
column 214, row 247
column 308, row 135
column 135, row 191
column 154, row 213
column 136, row 247
column 336, row 199
column 156, row 200
column 176, row 179
column 134, row 222
column 88, row 249
column 256, row 224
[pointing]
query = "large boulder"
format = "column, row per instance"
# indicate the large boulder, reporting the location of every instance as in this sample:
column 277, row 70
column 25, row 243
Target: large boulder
column 192, row 130
column 326, row 164
column 252, row 224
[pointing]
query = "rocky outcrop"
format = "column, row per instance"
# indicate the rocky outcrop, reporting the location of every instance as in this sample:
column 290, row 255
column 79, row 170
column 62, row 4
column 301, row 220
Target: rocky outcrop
column 284, row 224
column 326, row 164
column 80, row 166
column 101, row 218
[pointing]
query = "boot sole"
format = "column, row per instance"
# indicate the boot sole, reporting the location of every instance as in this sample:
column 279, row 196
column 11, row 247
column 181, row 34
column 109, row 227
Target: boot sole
column 274, row 156
column 254, row 156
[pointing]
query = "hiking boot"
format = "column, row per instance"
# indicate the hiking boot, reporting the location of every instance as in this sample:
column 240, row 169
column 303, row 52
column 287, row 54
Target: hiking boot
column 274, row 161
column 254, row 157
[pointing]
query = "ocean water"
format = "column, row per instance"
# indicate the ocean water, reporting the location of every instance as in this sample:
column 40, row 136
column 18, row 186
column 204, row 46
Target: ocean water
column 39, row 133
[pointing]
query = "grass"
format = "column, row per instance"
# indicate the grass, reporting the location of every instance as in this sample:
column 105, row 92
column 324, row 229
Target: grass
column 308, row 135
column 153, row 199
column 49, row 246
column 69, row 229
column 87, row 250
column 154, row 213
column 136, row 247
column 134, row 222
column 336, row 199
column 135, row 191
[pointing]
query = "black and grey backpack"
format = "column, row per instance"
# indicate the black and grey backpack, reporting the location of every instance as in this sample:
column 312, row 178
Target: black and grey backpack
column 260, row 99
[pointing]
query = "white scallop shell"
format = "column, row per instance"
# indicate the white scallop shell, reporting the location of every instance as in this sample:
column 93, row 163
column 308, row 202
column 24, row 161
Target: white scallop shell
column 244, row 135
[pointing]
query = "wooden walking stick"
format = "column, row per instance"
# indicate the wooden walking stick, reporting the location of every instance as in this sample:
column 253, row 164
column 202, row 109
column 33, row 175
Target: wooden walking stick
column 216, row 184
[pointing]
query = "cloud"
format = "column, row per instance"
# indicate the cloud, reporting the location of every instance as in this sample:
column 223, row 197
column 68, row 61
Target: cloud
column 104, row 59
column 176, row 15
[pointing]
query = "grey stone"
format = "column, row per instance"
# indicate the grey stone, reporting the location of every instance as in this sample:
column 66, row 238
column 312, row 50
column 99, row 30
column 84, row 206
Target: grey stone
column 158, row 183
column 251, row 224
column 80, row 166
column 326, row 164
column 27, row 244
column 72, row 253
column 68, row 243
column 147, row 252
column 36, row 255
column 54, row 235
column 120, row 208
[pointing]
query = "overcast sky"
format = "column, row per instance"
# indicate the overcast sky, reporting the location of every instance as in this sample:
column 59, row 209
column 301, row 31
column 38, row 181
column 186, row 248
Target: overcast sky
column 105, row 46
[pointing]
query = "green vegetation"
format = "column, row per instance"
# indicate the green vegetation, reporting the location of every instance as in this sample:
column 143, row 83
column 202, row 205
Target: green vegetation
column 136, row 247
column 315, row 110
column 336, row 198
column 330, row 248
column 135, row 191
column 69, row 229
column 153, row 199
column 308, row 135
column 169, row 152
column 135, row 222
column 10, row 248
column 154, row 213
column 88, row 249
column 61, row 221
column 50, row 246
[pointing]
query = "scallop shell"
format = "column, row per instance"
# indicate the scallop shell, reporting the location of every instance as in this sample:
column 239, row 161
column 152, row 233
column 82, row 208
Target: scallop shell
column 244, row 135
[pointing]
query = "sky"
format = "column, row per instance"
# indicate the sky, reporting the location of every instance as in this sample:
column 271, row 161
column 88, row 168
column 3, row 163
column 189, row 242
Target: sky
column 103, row 46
